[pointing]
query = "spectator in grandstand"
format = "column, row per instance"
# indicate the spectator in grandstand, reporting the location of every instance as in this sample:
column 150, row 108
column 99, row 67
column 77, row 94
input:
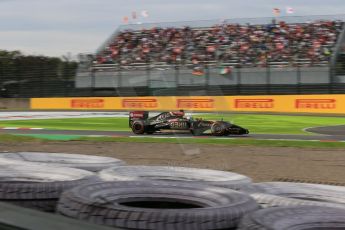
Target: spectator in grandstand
column 248, row 45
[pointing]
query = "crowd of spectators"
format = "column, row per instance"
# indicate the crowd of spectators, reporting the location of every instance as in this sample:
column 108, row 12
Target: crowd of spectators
column 245, row 45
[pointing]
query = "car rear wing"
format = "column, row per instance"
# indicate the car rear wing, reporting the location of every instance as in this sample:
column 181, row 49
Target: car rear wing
column 137, row 115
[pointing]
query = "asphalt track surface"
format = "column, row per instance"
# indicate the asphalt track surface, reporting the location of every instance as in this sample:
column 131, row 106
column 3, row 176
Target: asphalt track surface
column 338, row 130
column 334, row 133
column 327, row 133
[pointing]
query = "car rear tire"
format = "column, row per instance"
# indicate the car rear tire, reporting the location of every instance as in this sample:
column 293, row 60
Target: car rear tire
column 138, row 127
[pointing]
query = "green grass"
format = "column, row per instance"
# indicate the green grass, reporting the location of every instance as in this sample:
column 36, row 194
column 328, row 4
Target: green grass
column 265, row 124
column 105, row 124
column 53, row 137
column 7, row 138
column 230, row 142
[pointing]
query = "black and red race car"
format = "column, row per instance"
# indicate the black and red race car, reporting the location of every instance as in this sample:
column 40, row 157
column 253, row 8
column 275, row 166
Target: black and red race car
column 141, row 123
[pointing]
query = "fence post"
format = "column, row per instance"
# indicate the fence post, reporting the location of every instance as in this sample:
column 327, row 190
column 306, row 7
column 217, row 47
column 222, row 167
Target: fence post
column 65, row 79
column 93, row 81
column 298, row 78
column 239, row 80
column 331, row 79
column 177, row 75
column 3, row 88
column 42, row 80
column 207, row 76
column 1, row 78
column 148, row 75
column 268, row 78
column 18, row 75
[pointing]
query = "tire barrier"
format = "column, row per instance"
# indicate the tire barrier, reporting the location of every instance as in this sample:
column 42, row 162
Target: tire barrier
column 162, row 197
column 48, row 205
column 167, row 173
column 39, row 187
column 298, row 180
column 156, row 205
column 85, row 162
column 270, row 201
column 14, row 217
column 297, row 218
column 311, row 192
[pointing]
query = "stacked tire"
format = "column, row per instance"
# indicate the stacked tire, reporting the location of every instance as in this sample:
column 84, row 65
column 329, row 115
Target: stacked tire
column 157, row 205
column 39, row 187
column 296, row 218
column 297, row 206
column 105, row 191
column 85, row 162
column 167, row 173
column 37, row 180
column 162, row 197
column 283, row 194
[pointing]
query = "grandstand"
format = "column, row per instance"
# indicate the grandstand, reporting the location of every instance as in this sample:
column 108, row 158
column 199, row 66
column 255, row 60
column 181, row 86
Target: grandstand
column 279, row 43
column 287, row 55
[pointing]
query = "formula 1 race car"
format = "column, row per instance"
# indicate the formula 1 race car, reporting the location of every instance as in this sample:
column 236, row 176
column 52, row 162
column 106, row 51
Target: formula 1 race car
column 140, row 123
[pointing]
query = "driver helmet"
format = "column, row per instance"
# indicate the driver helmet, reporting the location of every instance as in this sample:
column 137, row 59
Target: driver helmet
column 179, row 113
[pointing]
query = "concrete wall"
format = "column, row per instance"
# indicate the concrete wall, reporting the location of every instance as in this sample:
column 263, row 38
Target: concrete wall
column 14, row 103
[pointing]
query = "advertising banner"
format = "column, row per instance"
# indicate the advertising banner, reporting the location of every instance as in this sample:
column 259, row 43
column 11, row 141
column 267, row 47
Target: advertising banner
column 334, row 104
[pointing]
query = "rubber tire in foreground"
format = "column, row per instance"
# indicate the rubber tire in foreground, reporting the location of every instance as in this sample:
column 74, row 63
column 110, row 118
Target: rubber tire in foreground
column 296, row 218
column 86, row 162
column 40, row 205
column 107, row 203
column 269, row 201
column 27, row 182
column 304, row 191
column 167, row 173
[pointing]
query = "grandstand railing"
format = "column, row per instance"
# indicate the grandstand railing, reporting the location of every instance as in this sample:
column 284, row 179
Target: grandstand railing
column 175, row 76
column 276, row 78
column 176, row 80
column 146, row 80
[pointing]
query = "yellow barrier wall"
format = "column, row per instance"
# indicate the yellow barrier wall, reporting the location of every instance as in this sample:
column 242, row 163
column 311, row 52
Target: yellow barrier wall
column 334, row 104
